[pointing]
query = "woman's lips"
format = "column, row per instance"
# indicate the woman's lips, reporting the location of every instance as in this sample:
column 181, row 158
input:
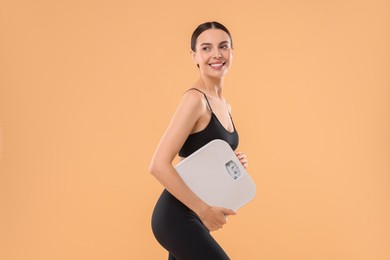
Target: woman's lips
column 217, row 66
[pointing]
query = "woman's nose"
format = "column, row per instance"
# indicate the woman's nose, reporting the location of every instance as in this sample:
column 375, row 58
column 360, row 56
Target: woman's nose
column 217, row 53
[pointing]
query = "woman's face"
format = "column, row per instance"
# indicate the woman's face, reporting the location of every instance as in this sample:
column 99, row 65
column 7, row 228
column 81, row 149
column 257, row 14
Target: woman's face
column 213, row 53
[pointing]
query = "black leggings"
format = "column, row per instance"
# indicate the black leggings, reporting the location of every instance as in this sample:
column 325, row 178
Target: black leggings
column 180, row 231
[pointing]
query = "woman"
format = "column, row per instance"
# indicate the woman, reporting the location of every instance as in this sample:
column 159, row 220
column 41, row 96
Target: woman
column 181, row 221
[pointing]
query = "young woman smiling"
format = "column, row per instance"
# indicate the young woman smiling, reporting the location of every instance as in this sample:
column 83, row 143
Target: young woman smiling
column 181, row 221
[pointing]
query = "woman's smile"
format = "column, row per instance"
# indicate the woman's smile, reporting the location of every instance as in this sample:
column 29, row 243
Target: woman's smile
column 218, row 65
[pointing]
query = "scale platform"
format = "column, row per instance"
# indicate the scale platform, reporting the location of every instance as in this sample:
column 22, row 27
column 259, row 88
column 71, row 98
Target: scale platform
column 216, row 175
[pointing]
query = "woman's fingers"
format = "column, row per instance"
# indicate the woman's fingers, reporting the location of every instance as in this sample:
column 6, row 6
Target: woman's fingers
column 242, row 158
column 228, row 212
column 217, row 218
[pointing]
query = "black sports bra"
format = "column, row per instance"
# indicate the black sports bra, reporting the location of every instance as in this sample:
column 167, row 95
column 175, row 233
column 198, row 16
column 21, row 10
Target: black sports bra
column 214, row 130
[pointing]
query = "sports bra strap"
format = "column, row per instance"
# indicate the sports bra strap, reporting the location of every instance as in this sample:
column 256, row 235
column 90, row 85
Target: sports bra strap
column 204, row 96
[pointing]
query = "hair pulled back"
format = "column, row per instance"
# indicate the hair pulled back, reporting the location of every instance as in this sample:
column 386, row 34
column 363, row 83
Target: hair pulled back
column 206, row 26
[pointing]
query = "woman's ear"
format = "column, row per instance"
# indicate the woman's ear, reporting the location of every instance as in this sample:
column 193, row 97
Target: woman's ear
column 194, row 59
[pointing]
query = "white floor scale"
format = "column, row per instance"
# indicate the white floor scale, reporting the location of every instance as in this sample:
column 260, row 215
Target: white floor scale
column 216, row 175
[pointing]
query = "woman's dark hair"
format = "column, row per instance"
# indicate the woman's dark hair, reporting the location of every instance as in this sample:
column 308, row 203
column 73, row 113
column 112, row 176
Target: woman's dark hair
column 206, row 26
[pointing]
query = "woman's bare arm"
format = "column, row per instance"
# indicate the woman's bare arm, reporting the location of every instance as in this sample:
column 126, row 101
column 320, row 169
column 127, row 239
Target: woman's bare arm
column 190, row 109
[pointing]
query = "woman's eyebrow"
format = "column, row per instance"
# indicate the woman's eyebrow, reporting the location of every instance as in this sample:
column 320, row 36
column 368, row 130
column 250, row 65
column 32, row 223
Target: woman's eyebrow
column 206, row 43
column 224, row 42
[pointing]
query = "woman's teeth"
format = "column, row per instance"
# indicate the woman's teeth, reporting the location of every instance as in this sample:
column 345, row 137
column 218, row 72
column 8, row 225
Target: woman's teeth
column 217, row 65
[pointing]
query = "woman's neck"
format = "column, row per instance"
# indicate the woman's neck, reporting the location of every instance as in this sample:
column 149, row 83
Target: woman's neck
column 213, row 86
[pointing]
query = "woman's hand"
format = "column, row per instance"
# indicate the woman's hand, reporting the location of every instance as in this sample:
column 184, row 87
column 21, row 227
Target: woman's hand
column 242, row 157
column 215, row 217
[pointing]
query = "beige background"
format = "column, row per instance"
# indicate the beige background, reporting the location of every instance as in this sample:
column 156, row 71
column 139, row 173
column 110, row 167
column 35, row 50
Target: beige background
column 88, row 87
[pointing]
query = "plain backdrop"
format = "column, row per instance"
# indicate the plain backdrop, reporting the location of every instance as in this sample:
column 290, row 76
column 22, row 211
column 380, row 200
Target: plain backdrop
column 87, row 88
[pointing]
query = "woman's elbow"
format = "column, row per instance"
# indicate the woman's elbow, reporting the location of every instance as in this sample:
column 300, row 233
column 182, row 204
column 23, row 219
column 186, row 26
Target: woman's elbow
column 153, row 168
column 156, row 168
column 159, row 166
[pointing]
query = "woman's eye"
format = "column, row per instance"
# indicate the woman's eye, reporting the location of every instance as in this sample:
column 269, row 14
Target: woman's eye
column 206, row 48
column 224, row 46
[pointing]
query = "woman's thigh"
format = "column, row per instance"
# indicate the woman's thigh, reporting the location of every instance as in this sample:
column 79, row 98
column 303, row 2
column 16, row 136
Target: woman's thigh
column 180, row 231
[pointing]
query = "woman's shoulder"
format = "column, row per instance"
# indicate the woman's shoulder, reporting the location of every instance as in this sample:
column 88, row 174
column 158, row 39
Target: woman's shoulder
column 194, row 92
column 194, row 99
column 194, row 95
